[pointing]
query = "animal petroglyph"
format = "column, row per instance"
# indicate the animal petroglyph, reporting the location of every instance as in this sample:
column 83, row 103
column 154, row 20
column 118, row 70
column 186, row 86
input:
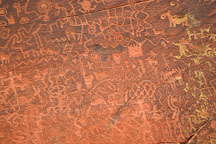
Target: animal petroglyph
column 175, row 20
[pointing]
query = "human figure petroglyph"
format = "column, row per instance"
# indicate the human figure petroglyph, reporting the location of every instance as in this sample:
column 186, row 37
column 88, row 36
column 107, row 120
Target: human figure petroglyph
column 151, row 61
column 17, row 6
column 183, row 49
column 44, row 7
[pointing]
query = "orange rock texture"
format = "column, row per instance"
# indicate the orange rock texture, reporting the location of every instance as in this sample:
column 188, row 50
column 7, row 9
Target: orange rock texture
column 107, row 72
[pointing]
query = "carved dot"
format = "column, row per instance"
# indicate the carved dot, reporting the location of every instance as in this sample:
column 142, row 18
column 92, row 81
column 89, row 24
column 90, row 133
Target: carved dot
column 24, row 20
column 172, row 3
column 44, row 6
column 119, row 38
column 163, row 16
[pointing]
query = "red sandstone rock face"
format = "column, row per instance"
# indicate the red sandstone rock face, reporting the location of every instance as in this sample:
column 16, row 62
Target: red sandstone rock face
column 107, row 72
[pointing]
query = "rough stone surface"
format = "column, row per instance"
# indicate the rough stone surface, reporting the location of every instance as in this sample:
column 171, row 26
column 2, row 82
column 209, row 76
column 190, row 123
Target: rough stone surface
column 107, row 72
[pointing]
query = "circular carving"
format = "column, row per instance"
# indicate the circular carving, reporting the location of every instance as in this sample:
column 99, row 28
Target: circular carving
column 163, row 16
column 92, row 30
column 95, row 56
column 172, row 3
column 4, row 33
column 3, row 11
column 24, row 20
column 44, row 6
column 119, row 38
